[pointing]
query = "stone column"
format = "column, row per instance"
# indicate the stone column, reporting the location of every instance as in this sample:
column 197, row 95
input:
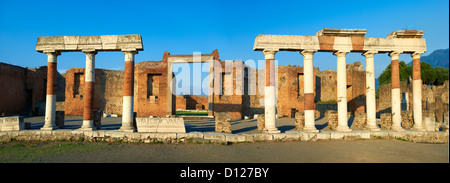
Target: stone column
column 50, row 103
column 396, row 107
column 309, row 105
column 342, row 92
column 270, row 93
column 370, row 92
column 89, row 81
column 128, row 89
column 417, row 92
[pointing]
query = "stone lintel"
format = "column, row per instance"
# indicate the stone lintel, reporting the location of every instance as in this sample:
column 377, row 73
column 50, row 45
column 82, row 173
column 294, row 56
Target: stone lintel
column 406, row 34
column 342, row 32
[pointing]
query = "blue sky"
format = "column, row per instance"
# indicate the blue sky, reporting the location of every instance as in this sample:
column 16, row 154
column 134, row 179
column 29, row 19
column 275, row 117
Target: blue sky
column 184, row 27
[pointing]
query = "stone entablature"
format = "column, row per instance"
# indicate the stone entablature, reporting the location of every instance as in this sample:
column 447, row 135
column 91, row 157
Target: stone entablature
column 349, row 40
column 98, row 43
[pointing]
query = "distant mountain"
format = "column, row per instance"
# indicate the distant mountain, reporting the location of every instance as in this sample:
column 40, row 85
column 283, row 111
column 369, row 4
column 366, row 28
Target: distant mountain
column 437, row 58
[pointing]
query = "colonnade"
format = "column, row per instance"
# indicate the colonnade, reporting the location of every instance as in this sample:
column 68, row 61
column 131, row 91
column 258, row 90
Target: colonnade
column 309, row 105
column 88, row 97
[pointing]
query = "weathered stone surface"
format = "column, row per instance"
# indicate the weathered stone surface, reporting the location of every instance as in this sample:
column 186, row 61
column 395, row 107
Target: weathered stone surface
column 260, row 122
column 407, row 119
column 145, row 124
column 429, row 124
column 11, row 123
column 80, row 43
column 332, row 118
column 223, row 124
column 386, row 120
column 360, row 120
column 299, row 120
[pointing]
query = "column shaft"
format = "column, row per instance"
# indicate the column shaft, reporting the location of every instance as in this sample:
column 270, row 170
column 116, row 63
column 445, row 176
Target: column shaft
column 417, row 93
column 89, row 81
column 128, row 93
column 342, row 92
column 309, row 105
column 270, row 93
column 370, row 92
column 50, row 103
column 395, row 92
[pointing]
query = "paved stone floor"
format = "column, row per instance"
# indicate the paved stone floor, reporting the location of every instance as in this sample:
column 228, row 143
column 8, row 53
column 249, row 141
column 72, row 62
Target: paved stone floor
column 237, row 127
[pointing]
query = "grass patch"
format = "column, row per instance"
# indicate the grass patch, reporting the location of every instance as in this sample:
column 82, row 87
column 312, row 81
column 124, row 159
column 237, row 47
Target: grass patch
column 27, row 152
column 192, row 113
column 402, row 139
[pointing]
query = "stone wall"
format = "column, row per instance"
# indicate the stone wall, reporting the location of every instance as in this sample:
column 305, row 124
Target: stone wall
column 190, row 101
column 434, row 98
column 154, row 103
column 108, row 89
column 23, row 90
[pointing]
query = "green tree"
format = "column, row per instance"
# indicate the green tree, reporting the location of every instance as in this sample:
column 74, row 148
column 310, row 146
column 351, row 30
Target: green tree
column 405, row 73
column 427, row 73
column 442, row 75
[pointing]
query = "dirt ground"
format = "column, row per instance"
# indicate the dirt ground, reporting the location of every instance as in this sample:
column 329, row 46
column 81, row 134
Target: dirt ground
column 349, row 151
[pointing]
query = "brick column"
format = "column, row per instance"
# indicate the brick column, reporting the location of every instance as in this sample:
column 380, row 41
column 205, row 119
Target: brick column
column 270, row 93
column 89, row 80
column 128, row 89
column 309, row 105
column 50, row 103
column 417, row 92
column 342, row 92
column 370, row 92
column 395, row 92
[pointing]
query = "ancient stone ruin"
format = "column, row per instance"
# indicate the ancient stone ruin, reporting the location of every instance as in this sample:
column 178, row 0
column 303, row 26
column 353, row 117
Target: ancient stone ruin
column 143, row 94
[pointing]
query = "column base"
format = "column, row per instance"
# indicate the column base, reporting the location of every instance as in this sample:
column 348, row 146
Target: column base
column 343, row 129
column 87, row 129
column 271, row 130
column 310, row 130
column 397, row 128
column 372, row 128
column 122, row 129
column 49, row 128
column 88, row 125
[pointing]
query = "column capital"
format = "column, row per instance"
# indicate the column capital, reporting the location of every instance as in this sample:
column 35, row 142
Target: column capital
column 416, row 55
column 269, row 54
column 369, row 53
column 395, row 54
column 308, row 52
column 89, row 51
column 129, row 55
column 52, row 52
column 340, row 53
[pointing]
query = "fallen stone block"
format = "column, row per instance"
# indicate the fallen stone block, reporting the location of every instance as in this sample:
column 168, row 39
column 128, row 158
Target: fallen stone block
column 175, row 125
column 14, row 123
column 223, row 124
